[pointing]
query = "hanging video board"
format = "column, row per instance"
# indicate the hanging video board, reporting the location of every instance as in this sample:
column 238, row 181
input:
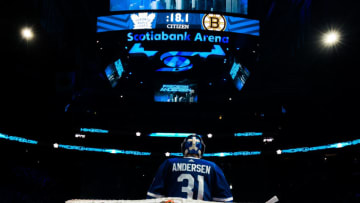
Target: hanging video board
column 177, row 51
column 178, row 21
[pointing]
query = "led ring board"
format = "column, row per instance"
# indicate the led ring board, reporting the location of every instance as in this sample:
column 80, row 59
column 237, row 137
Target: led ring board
column 228, row 6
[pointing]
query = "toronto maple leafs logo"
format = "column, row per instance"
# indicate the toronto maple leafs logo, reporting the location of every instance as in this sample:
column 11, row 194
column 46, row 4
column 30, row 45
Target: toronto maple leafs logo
column 193, row 143
column 143, row 20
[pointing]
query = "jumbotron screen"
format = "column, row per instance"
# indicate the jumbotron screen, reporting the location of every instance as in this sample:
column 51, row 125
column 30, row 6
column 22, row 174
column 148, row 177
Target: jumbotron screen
column 180, row 56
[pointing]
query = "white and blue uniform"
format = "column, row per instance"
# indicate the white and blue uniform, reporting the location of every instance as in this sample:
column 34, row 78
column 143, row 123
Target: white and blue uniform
column 190, row 178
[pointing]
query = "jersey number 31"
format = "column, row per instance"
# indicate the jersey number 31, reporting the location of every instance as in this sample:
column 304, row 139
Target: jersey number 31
column 189, row 188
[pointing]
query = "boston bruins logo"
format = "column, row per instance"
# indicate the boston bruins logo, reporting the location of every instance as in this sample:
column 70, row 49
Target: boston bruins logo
column 214, row 22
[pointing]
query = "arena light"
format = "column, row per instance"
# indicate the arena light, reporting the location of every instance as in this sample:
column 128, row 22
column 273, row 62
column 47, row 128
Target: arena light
column 93, row 130
column 176, row 154
column 112, row 151
column 248, row 134
column 224, row 154
column 239, row 153
column 322, row 147
column 18, row 139
column 268, row 139
column 331, row 38
column 163, row 134
column 27, row 33
column 77, row 135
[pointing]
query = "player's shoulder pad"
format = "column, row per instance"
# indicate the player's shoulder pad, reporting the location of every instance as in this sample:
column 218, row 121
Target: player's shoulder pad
column 172, row 160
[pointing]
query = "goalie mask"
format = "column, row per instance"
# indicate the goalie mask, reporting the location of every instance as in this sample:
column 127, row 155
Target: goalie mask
column 193, row 144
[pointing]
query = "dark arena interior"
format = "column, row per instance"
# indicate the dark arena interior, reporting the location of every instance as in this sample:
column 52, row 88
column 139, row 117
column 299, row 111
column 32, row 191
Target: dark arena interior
column 95, row 95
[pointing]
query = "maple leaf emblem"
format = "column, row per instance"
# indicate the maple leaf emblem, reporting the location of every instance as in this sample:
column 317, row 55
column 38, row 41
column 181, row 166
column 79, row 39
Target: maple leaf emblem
column 143, row 20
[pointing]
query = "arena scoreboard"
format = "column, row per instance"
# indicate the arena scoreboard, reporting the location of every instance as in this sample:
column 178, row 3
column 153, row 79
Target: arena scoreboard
column 178, row 21
column 175, row 50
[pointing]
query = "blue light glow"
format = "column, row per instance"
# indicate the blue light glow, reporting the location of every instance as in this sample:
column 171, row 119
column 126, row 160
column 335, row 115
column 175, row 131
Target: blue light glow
column 112, row 151
column 234, row 70
column 355, row 142
column 167, row 69
column 114, row 71
column 163, row 36
column 175, row 88
column 216, row 50
column 176, row 154
column 168, row 98
column 248, row 134
column 132, row 21
column 113, row 22
column 224, row 154
column 67, row 107
column 18, row 139
column 170, row 134
column 239, row 153
column 93, row 130
column 238, row 6
column 322, row 147
column 243, row 25
column 176, row 64
column 176, row 61
column 138, row 49
column 238, row 84
column 119, row 67
column 239, row 74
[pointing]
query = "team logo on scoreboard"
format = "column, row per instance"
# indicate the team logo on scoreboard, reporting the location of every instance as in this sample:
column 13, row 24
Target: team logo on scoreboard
column 143, row 20
column 214, row 22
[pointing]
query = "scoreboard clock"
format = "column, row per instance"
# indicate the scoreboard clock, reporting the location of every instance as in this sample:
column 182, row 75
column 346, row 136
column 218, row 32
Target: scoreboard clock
column 177, row 18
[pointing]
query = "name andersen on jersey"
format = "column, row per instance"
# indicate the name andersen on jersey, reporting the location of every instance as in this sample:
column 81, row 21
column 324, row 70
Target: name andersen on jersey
column 200, row 168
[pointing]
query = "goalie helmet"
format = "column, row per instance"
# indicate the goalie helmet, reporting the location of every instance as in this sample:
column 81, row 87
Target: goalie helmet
column 193, row 144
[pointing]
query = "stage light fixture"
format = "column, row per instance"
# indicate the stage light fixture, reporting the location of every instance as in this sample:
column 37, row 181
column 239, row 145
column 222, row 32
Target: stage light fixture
column 27, row 33
column 77, row 135
column 331, row 38
column 268, row 139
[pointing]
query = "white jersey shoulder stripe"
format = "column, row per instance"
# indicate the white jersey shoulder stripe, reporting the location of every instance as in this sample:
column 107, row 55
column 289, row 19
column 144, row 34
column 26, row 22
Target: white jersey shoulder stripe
column 154, row 195
column 223, row 199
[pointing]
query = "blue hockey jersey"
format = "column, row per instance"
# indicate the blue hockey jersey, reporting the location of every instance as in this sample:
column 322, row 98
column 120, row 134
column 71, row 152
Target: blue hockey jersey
column 190, row 178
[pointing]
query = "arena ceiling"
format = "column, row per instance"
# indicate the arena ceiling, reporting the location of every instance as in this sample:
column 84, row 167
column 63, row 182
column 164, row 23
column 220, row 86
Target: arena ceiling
column 299, row 92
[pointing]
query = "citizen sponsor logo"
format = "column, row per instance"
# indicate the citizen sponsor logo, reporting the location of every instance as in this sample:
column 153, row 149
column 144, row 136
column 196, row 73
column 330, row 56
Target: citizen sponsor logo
column 177, row 26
